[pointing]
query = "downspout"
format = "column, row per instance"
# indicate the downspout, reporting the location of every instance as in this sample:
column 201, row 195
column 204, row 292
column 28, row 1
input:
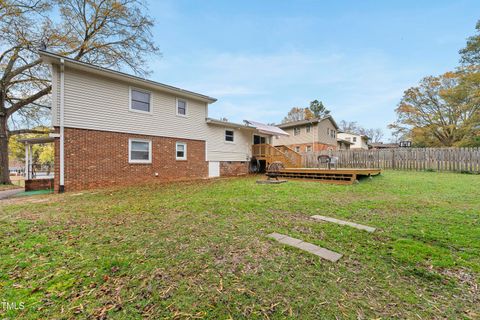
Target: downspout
column 62, row 129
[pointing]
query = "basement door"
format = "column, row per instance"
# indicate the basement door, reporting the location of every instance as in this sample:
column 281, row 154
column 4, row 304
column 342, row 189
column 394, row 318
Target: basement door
column 213, row 169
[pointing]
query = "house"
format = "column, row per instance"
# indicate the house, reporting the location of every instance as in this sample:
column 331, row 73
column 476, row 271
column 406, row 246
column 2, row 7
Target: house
column 309, row 135
column 358, row 141
column 343, row 144
column 112, row 128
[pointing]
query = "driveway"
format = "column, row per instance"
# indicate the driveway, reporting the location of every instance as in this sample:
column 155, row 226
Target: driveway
column 9, row 193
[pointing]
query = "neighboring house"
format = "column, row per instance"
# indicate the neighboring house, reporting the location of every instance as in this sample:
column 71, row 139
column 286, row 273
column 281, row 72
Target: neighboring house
column 343, row 144
column 358, row 141
column 309, row 135
column 15, row 167
column 112, row 128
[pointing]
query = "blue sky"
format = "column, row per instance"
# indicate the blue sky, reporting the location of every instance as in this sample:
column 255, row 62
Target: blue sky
column 261, row 58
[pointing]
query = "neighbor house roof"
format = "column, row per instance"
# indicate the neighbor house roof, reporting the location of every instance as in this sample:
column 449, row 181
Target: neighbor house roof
column 248, row 124
column 355, row 134
column 344, row 141
column 49, row 57
column 305, row 122
column 383, row 145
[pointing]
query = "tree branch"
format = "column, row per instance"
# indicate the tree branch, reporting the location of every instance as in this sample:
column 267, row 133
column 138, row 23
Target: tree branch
column 16, row 106
column 23, row 131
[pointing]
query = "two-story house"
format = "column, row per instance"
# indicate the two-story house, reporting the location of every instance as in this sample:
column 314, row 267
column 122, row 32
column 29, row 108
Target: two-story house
column 112, row 128
column 309, row 135
column 358, row 141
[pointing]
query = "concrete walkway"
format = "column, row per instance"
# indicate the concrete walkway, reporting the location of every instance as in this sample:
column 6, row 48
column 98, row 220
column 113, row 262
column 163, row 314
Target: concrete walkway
column 305, row 246
column 9, row 193
column 344, row 223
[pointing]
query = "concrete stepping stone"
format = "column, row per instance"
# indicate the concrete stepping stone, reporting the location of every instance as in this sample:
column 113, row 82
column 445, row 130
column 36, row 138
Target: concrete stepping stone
column 306, row 246
column 344, row 223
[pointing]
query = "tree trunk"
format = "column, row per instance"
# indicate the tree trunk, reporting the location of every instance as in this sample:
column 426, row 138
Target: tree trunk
column 4, row 172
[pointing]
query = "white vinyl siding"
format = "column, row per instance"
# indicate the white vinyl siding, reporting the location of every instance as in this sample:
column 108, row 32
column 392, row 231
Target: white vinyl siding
column 181, row 151
column 99, row 103
column 219, row 150
column 139, row 151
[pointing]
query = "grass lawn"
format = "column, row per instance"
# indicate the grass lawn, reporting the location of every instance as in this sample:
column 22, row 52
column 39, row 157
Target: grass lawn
column 199, row 249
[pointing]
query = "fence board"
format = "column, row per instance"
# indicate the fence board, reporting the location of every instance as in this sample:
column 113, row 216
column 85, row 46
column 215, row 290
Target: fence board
column 439, row 159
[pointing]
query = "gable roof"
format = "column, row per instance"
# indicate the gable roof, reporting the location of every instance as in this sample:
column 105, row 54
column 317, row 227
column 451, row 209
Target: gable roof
column 305, row 122
column 49, row 57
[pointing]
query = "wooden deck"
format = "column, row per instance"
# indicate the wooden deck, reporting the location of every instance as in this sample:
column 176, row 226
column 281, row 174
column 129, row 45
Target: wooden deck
column 337, row 176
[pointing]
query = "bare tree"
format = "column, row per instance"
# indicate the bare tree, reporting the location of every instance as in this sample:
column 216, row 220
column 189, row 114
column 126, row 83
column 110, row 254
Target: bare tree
column 110, row 33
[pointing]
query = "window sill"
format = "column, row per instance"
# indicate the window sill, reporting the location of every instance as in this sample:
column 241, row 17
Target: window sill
column 181, row 115
column 181, row 159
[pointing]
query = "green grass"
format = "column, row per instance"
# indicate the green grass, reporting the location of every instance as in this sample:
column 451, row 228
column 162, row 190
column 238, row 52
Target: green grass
column 200, row 250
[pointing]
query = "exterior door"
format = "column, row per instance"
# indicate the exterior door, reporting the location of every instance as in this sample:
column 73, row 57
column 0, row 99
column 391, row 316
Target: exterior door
column 259, row 139
column 213, row 169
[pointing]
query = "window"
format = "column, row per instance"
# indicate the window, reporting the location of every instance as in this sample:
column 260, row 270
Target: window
column 308, row 149
column 296, row 131
column 229, row 135
column 140, row 151
column 297, row 149
column 354, row 139
column 328, row 131
column 181, row 151
column 140, row 100
column 309, row 128
column 181, row 107
column 332, row 133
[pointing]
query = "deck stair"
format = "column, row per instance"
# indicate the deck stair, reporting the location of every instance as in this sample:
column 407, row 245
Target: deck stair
column 269, row 153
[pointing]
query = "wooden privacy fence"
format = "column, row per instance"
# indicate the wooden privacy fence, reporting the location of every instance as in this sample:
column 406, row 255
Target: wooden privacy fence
column 438, row 159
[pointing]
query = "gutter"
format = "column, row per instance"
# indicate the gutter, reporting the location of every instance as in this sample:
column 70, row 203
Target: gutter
column 62, row 126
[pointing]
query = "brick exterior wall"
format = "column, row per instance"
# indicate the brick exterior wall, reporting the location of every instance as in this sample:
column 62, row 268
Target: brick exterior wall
column 95, row 159
column 233, row 168
column 318, row 146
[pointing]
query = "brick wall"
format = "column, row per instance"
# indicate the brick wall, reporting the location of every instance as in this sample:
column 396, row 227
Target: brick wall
column 233, row 168
column 96, row 159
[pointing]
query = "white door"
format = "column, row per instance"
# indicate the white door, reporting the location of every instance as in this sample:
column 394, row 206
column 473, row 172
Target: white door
column 213, row 169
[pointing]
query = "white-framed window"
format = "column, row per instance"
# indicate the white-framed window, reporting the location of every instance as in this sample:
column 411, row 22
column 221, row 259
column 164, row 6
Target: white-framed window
column 308, row 148
column 328, row 131
column 297, row 149
column 296, row 131
column 354, row 139
column 139, row 151
column 181, row 151
column 140, row 100
column 229, row 136
column 308, row 128
column 182, row 107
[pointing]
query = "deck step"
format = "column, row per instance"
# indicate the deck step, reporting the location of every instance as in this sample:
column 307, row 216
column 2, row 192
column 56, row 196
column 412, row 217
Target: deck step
column 344, row 223
column 306, row 246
